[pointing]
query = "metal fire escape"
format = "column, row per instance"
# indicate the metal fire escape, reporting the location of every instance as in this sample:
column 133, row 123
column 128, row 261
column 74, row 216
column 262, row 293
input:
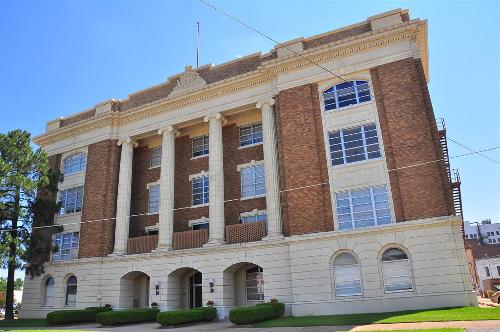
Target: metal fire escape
column 453, row 175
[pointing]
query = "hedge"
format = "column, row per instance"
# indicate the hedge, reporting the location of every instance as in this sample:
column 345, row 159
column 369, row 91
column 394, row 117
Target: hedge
column 186, row 316
column 256, row 313
column 62, row 317
column 127, row 316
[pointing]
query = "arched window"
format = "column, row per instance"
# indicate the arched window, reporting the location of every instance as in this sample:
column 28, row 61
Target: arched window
column 75, row 163
column 255, row 284
column 396, row 271
column 345, row 94
column 48, row 292
column 346, row 275
column 71, row 288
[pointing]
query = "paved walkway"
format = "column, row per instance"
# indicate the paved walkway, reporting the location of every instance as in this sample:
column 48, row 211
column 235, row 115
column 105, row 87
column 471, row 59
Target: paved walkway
column 471, row 326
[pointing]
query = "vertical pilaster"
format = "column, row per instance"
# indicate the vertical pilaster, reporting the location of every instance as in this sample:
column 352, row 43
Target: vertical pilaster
column 166, row 211
column 273, row 197
column 124, row 193
column 216, row 179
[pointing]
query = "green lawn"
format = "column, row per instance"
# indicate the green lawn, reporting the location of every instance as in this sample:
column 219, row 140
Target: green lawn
column 435, row 315
column 427, row 330
column 23, row 323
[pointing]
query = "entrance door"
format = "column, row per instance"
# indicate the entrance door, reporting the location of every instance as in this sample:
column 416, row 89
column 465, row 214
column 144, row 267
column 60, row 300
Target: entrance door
column 195, row 291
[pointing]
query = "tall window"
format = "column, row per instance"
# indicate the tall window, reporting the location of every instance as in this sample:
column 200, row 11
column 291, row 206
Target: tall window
column 396, row 271
column 66, row 246
column 346, row 275
column 255, row 284
column 363, row 207
column 71, row 289
column 154, row 198
column 75, row 163
column 487, row 270
column 354, row 144
column 200, row 193
column 155, row 157
column 249, row 217
column 251, row 134
column 71, row 200
column 252, row 181
column 48, row 292
column 345, row 94
column 200, row 146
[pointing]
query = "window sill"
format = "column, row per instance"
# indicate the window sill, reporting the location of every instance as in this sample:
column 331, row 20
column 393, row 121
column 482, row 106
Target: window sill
column 199, row 205
column 252, row 197
column 199, row 157
column 68, row 214
column 250, row 145
column 152, row 213
column 153, row 167
column 399, row 291
column 73, row 174
column 345, row 108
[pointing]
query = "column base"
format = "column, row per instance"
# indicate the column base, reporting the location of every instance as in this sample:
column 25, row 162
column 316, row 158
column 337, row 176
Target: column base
column 163, row 248
column 273, row 237
column 214, row 243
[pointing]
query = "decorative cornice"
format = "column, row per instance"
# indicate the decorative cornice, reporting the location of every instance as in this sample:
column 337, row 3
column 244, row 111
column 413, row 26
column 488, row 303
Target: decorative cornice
column 267, row 73
column 189, row 81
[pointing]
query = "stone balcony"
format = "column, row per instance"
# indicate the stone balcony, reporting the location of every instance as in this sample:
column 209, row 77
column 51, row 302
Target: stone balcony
column 241, row 233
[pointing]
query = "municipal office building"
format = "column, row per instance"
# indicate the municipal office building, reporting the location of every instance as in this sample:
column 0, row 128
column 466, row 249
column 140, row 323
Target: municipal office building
column 315, row 174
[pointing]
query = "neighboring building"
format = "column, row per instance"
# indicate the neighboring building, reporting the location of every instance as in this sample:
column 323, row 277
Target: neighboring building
column 264, row 177
column 487, row 231
column 484, row 264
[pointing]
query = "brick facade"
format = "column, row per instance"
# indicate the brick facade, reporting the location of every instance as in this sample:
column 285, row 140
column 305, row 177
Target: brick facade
column 409, row 133
column 99, row 202
column 302, row 160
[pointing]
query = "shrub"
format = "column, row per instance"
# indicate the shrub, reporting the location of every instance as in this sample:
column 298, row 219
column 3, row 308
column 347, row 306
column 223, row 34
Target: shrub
column 256, row 313
column 62, row 317
column 99, row 309
column 187, row 316
column 127, row 316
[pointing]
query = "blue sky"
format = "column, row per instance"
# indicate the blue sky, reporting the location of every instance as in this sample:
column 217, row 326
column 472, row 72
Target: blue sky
column 62, row 57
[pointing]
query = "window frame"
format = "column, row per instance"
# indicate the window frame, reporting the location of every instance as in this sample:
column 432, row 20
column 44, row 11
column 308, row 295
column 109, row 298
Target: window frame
column 205, row 189
column 205, row 146
column 66, row 297
column 364, row 146
column 487, row 271
column 82, row 162
column 152, row 156
column 45, row 291
column 409, row 266
column 253, row 165
column 260, row 289
column 254, row 213
column 197, row 222
column 332, row 269
column 151, row 185
column 357, row 96
column 252, row 135
column 62, row 211
column 73, row 250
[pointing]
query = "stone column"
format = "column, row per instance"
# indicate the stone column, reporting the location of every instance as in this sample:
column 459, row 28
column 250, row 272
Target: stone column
column 273, row 196
column 167, row 170
column 216, row 179
column 123, row 200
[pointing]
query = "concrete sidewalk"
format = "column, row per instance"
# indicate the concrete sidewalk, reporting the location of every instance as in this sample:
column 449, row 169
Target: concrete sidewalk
column 471, row 326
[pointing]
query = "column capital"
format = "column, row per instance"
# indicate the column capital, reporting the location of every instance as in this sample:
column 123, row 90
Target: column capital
column 127, row 140
column 217, row 116
column 263, row 103
column 170, row 130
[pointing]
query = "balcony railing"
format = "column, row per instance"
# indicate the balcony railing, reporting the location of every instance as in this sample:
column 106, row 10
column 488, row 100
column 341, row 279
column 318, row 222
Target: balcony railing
column 241, row 233
column 142, row 244
column 190, row 239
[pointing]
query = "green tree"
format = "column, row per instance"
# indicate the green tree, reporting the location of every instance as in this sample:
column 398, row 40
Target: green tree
column 18, row 284
column 26, row 185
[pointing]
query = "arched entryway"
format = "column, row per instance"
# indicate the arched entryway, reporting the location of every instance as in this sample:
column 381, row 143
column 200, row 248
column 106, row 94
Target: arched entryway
column 185, row 288
column 134, row 290
column 243, row 284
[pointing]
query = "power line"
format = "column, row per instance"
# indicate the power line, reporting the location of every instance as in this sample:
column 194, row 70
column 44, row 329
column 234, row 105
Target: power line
column 240, row 199
column 474, row 151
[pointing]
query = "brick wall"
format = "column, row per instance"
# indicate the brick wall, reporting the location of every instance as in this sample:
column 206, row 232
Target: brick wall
column 142, row 174
column 99, row 202
column 303, row 162
column 409, row 134
column 232, row 183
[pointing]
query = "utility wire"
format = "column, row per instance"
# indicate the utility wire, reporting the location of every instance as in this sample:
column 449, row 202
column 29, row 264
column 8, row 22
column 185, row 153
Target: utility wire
column 473, row 151
column 280, row 191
